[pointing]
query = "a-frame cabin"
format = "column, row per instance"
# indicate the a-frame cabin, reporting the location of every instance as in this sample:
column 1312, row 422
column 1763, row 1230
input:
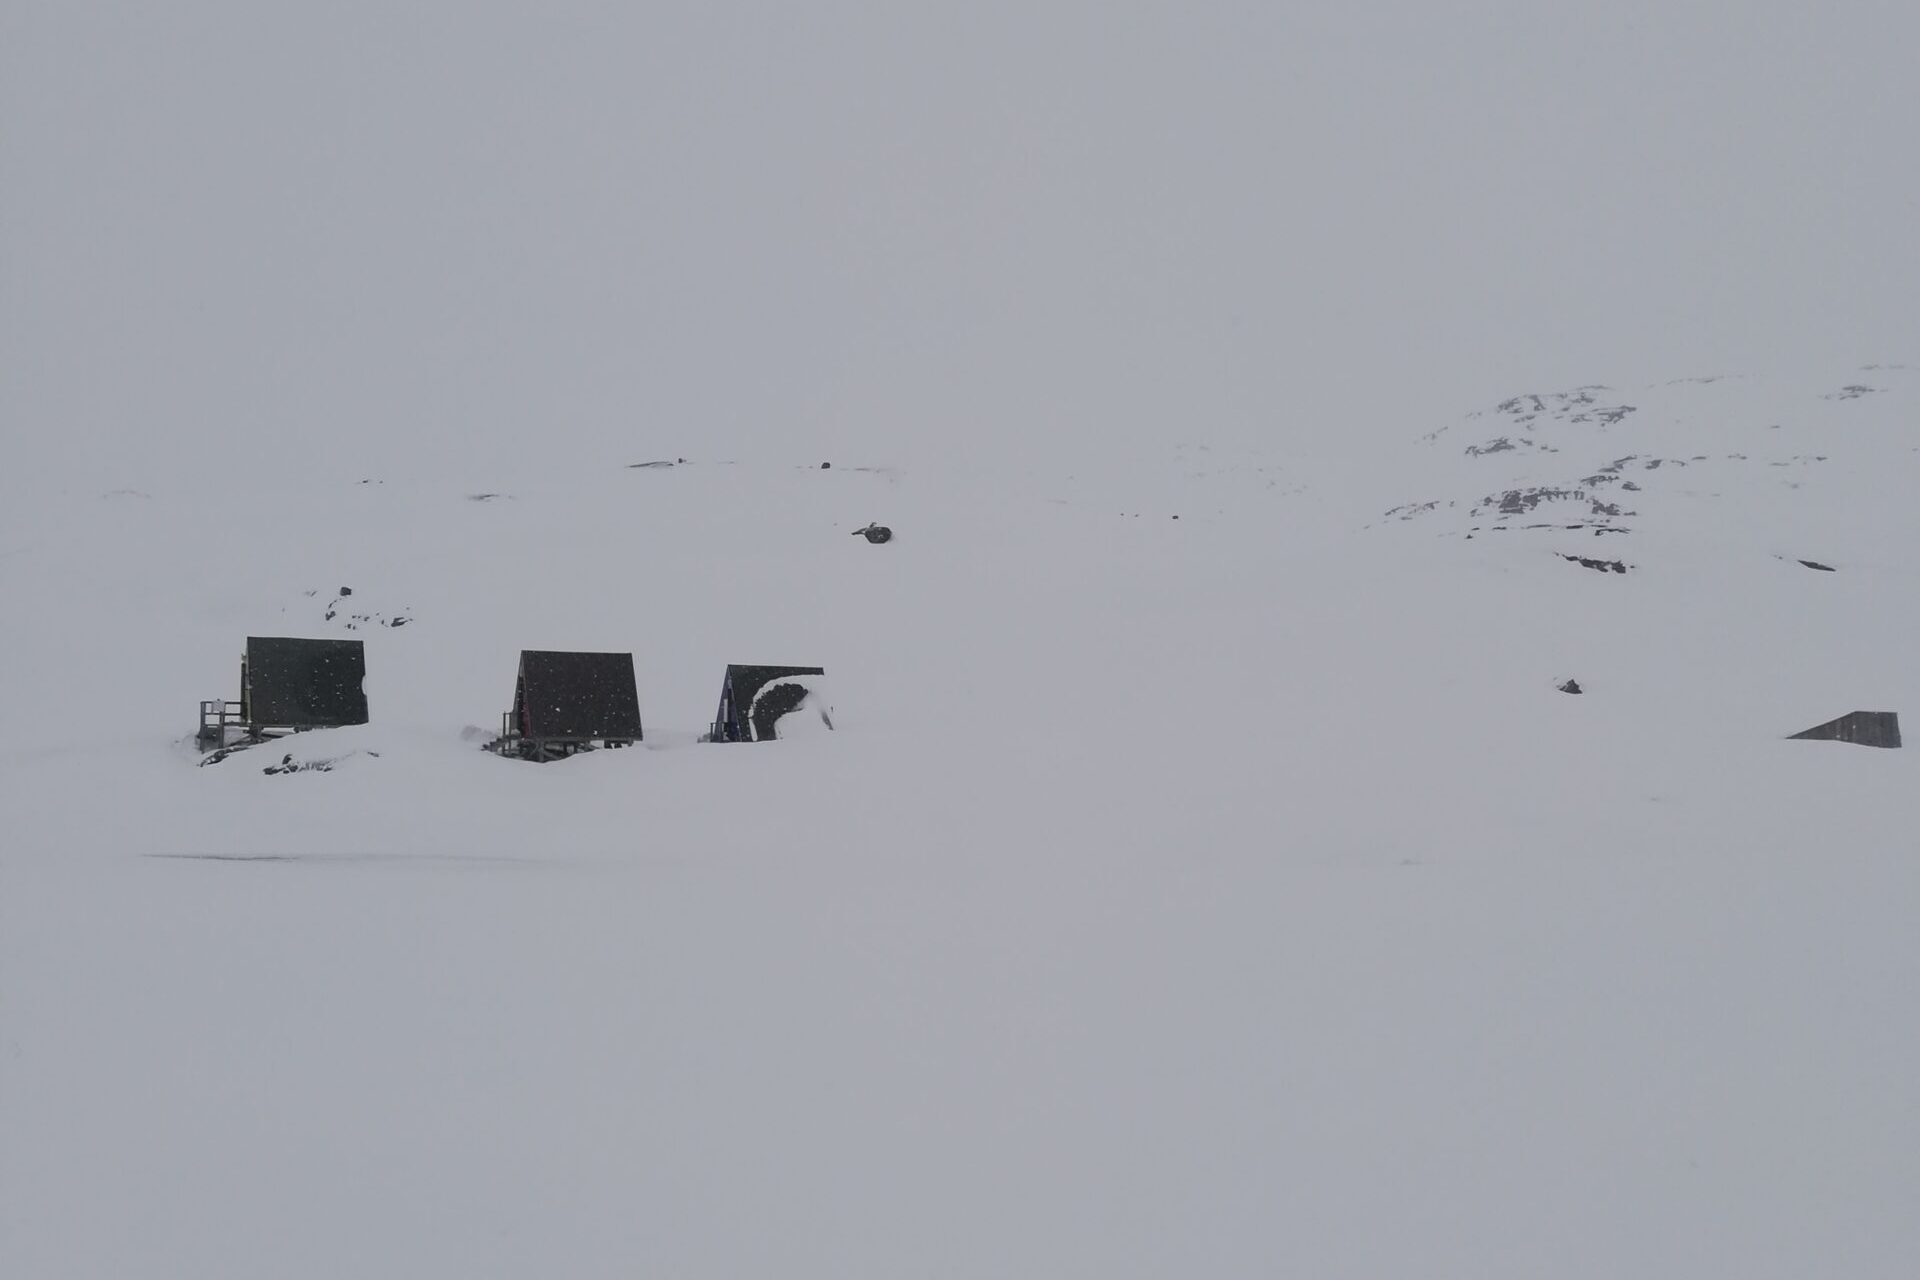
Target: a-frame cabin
column 754, row 698
column 569, row 702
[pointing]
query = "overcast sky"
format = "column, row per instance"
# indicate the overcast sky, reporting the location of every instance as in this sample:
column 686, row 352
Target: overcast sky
column 362, row 238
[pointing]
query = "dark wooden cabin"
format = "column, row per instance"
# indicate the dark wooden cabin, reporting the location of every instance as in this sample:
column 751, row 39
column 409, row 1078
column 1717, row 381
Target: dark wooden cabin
column 753, row 698
column 288, row 685
column 569, row 702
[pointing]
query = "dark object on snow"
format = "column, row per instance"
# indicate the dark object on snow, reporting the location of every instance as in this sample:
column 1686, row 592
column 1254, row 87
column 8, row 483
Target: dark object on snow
column 1815, row 564
column 288, row 685
column 752, row 700
column 1604, row 566
column 287, row 765
column 826, row 466
column 303, row 684
column 354, row 621
column 568, row 702
column 875, row 533
column 1571, row 686
column 1865, row 728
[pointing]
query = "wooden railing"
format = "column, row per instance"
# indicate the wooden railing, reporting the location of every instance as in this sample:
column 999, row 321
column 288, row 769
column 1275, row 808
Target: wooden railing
column 215, row 715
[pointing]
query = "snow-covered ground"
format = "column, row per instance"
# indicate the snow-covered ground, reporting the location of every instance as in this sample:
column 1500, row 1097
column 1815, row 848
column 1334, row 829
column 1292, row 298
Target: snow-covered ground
column 1206, row 876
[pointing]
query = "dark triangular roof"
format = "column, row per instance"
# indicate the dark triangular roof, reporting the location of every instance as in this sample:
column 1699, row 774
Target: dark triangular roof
column 745, row 683
column 1867, row 728
column 577, row 696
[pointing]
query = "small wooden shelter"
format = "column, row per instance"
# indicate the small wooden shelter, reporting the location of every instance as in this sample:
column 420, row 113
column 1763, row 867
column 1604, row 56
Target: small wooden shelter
column 288, row 685
column 569, row 702
column 753, row 698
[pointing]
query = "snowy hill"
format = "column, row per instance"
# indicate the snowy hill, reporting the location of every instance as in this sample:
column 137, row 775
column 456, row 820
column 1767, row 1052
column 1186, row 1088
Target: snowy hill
column 1206, row 874
column 1611, row 461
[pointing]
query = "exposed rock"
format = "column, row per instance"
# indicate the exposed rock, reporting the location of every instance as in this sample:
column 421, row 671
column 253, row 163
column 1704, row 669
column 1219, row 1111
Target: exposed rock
column 354, row 621
column 1603, row 566
column 1516, row 502
column 1408, row 510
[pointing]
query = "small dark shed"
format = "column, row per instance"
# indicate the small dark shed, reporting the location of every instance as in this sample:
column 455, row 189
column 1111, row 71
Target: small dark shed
column 752, row 700
column 289, row 684
column 568, row 702
column 1867, row 728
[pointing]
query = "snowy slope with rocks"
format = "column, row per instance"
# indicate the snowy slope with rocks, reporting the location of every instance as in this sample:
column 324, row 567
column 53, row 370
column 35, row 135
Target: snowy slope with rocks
column 1206, row 875
column 1609, row 461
